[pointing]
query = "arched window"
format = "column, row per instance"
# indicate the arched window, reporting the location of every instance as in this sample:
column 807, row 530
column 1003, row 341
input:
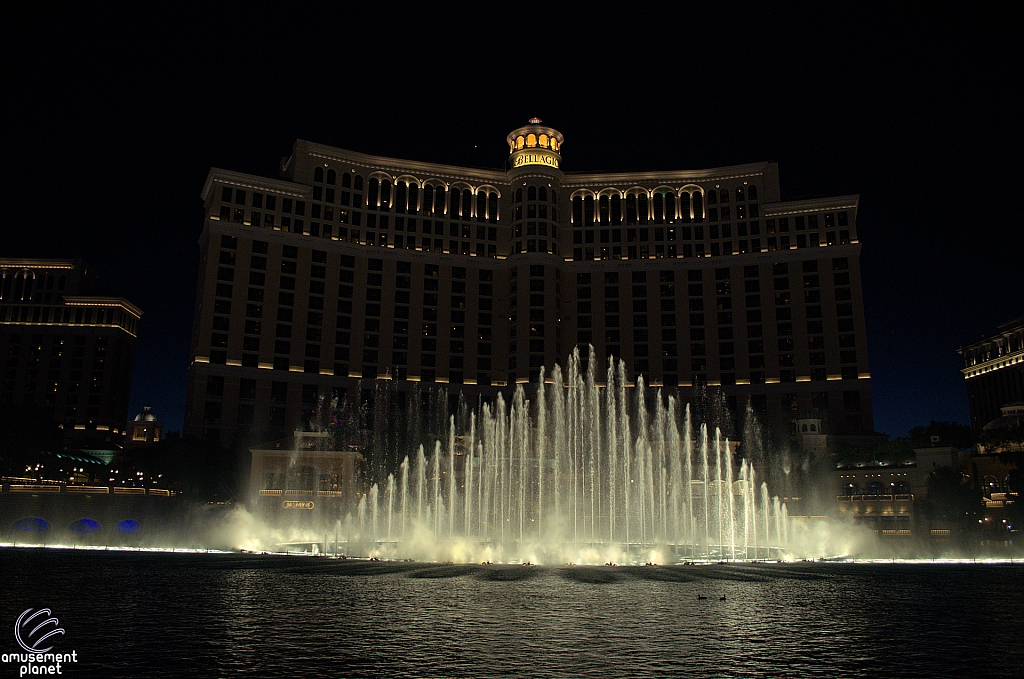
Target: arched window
column 492, row 208
column 901, row 488
column 875, row 488
column 698, row 207
column 428, row 199
column 414, row 198
column 659, row 208
column 542, row 193
column 631, row 209
column 318, row 174
column 554, row 196
column 519, row 142
column 371, row 193
column 851, row 489
column 439, row 201
column 401, row 196
column 531, row 193
column 346, row 181
column 467, row 204
column 803, row 427
column 531, row 139
column 751, row 192
column 385, row 194
column 642, row 209
column 454, row 199
column 543, row 140
column 670, row 207
column 481, row 206
column 588, row 211
column 331, row 176
column 358, row 183
column 684, row 207
column 616, row 210
column 739, row 194
column 577, row 210
column 604, row 210
column 712, row 197
column 724, row 196
column 519, row 195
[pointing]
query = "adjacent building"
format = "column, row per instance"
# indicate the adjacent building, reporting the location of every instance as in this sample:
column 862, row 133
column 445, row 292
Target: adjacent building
column 994, row 370
column 64, row 349
column 144, row 431
column 351, row 268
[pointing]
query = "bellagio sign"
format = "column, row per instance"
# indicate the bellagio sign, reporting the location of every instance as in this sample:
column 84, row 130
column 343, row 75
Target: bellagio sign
column 535, row 158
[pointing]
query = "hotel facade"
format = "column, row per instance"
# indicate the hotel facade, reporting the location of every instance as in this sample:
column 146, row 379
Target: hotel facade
column 351, row 268
column 65, row 350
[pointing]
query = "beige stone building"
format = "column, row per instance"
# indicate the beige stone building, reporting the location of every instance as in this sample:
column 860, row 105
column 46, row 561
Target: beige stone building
column 303, row 476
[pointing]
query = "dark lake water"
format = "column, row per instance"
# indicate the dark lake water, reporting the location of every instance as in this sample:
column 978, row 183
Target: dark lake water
column 129, row 614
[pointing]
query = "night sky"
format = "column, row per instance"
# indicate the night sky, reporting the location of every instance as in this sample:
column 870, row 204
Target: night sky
column 115, row 117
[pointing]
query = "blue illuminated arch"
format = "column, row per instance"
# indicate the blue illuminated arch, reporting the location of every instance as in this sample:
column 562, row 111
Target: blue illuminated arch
column 85, row 526
column 31, row 525
column 128, row 526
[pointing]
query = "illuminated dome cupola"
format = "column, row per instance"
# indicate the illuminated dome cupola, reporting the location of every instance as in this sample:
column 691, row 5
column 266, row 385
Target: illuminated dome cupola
column 535, row 145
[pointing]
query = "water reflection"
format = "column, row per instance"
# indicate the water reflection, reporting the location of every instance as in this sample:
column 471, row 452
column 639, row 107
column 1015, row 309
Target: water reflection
column 149, row 614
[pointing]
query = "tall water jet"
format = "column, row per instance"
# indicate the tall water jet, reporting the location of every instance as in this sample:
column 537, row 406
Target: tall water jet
column 405, row 491
column 435, row 482
column 767, row 526
column 451, row 476
column 732, row 500
column 470, row 451
column 374, row 506
column 421, row 482
column 391, row 503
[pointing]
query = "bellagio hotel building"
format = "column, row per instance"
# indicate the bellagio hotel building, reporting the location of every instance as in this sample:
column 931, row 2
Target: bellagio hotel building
column 351, row 268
